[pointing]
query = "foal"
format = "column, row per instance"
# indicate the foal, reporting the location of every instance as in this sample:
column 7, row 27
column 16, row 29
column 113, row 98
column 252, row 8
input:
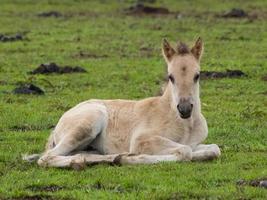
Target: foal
column 166, row 128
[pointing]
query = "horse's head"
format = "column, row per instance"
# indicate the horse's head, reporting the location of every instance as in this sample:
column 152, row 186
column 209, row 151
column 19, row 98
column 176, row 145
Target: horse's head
column 183, row 74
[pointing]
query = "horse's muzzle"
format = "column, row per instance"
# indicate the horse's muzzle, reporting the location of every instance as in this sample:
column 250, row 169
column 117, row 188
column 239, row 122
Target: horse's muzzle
column 185, row 108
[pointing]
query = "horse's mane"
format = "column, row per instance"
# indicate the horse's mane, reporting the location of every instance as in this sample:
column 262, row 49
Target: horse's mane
column 182, row 48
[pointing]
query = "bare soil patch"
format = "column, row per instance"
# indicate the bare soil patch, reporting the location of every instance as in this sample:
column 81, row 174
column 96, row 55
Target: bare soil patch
column 235, row 13
column 218, row 75
column 261, row 182
column 28, row 127
column 28, row 89
column 54, row 68
column 82, row 55
column 141, row 9
column 50, row 14
column 65, row 15
column 227, row 38
column 11, row 38
column 251, row 15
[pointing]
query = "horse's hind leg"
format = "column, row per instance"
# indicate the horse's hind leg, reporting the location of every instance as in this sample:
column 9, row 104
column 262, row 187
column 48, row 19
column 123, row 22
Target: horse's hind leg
column 75, row 130
column 81, row 160
column 35, row 157
column 64, row 148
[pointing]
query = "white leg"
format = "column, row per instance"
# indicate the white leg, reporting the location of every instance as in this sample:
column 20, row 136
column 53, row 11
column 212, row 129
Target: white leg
column 206, row 152
column 157, row 148
column 70, row 143
column 146, row 159
column 63, row 148
column 76, row 129
column 79, row 160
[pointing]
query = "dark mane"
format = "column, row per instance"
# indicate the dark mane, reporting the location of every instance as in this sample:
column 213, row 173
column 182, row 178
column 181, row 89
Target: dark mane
column 182, row 48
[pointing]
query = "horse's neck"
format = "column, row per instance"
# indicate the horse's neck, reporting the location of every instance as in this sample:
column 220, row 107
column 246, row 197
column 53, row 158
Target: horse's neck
column 166, row 98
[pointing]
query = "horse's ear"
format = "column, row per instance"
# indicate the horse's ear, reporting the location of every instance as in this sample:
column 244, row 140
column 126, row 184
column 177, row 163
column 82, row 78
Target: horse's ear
column 167, row 51
column 198, row 49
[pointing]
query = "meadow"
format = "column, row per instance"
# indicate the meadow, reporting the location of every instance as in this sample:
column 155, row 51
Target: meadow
column 121, row 52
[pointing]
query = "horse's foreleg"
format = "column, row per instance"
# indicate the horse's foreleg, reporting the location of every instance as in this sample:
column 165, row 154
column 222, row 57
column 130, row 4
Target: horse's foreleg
column 204, row 152
column 153, row 149
column 145, row 159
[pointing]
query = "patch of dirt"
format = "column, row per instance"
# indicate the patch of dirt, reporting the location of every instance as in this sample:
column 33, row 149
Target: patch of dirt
column 217, row 75
column 235, row 13
column 45, row 188
column 141, row 9
column 27, row 127
column 227, row 38
column 54, row 68
column 264, row 78
column 28, row 89
column 83, row 54
column 261, row 182
column 66, row 15
column 11, row 38
column 50, row 14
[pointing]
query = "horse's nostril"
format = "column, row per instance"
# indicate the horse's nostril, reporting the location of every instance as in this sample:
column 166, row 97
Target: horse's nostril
column 191, row 105
column 178, row 108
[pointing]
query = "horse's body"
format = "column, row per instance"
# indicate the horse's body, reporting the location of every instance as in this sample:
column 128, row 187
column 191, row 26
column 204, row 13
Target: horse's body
column 166, row 128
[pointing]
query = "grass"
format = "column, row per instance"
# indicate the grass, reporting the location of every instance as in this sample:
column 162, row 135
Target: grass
column 130, row 66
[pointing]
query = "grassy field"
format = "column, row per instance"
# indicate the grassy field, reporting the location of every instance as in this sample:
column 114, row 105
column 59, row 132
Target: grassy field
column 123, row 58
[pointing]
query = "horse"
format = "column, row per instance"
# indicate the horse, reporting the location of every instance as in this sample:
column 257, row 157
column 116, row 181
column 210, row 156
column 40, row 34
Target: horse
column 166, row 128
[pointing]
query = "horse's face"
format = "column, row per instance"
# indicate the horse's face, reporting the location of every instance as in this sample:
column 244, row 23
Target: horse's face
column 183, row 74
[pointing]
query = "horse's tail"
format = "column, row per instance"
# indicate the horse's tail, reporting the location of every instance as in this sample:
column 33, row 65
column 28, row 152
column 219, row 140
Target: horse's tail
column 34, row 157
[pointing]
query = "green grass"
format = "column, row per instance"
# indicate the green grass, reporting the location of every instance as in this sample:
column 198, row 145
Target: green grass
column 235, row 108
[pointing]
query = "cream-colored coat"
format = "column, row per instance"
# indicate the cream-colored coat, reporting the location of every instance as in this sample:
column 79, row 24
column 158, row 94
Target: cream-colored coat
column 145, row 131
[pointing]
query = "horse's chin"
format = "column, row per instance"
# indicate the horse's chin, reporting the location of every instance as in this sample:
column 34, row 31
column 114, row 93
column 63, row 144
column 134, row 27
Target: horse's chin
column 178, row 116
column 185, row 116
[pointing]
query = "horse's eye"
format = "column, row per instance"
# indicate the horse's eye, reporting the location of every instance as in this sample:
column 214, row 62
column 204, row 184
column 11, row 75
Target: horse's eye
column 171, row 78
column 196, row 77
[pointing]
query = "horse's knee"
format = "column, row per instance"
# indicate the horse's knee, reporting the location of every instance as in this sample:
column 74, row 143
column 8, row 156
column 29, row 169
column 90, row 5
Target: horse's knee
column 183, row 153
